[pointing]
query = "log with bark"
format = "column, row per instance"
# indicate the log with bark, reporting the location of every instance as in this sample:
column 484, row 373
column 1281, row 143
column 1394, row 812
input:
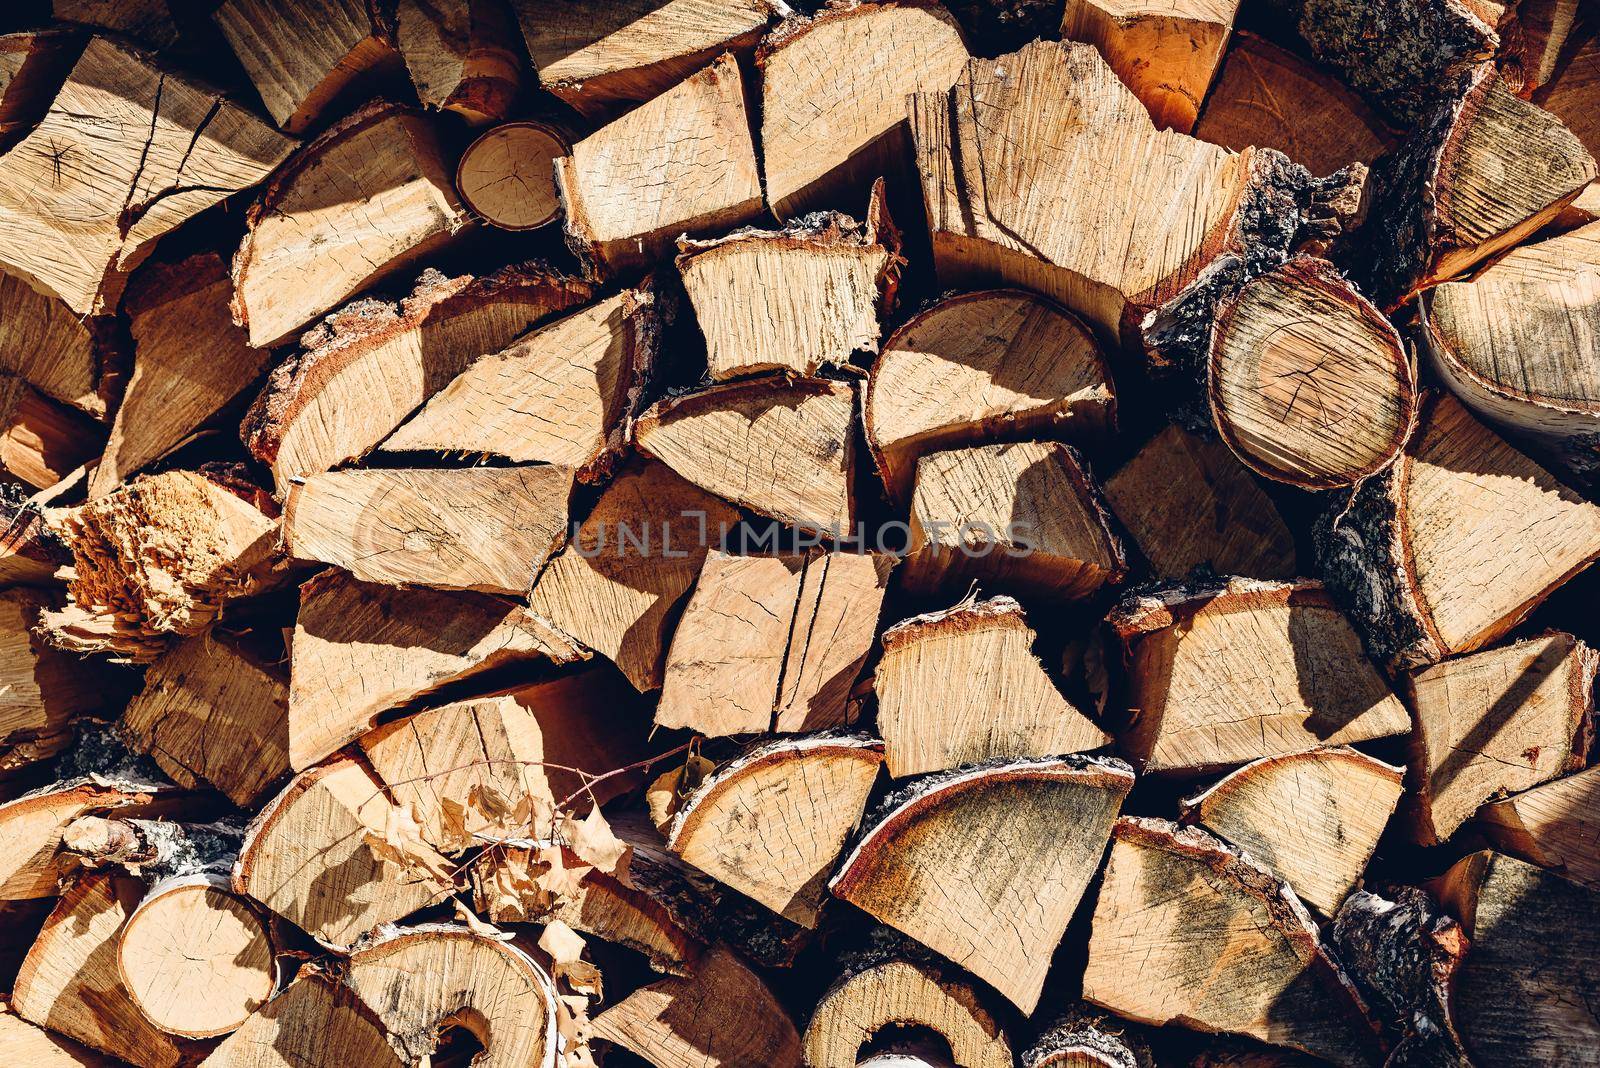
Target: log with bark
column 461, row 56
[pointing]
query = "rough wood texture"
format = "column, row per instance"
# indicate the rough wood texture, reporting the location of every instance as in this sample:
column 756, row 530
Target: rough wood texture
column 997, row 365
column 985, row 865
column 42, row 690
column 1085, row 1038
column 1553, row 826
column 507, row 177
column 41, row 441
column 1533, row 37
column 683, row 162
column 33, row 66
column 33, row 865
column 54, row 349
column 1187, row 930
column 963, row 686
column 317, row 1022
column 1224, row 673
column 461, row 55
column 1495, row 723
column 1571, row 94
column 23, row 1043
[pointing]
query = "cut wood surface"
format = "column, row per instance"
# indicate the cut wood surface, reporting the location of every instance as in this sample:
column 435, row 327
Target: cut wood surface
column 1553, row 826
column 42, row 441
column 317, row 1022
column 33, row 65
column 1571, row 94
column 986, row 865
column 999, row 365
column 963, row 685
column 461, row 55
column 23, row 1043
column 1222, row 674
column 42, row 689
column 1534, row 34
column 508, row 177
column 57, row 351
column 1085, row 1038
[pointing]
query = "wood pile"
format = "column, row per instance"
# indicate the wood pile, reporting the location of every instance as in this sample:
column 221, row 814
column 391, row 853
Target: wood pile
column 745, row 534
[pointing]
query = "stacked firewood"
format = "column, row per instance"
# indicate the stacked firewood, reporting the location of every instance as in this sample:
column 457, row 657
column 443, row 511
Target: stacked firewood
column 721, row 535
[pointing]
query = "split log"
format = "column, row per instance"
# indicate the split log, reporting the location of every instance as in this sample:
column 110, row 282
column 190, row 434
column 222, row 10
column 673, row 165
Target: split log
column 461, row 55
column 723, row 1016
column 1188, row 931
column 1571, row 95
column 614, row 587
column 33, row 825
column 23, row 1043
column 508, row 175
column 1023, row 518
column 30, row 552
column 1309, row 384
column 1269, row 97
column 41, row 441
column 81, row 210
column 601, row 59
column 566, row 393
column 319, row 855
column 963, row 686
column 190, row 361
column 1188, row 502
column 368, row 199
column 33, row 66
column 317, row 1022
column 1313, row 819
column 369, row 365
column 1084, row 1038
column 42, row 690
column 986, row 864
column 479, row 528
column 1429, row 557
column 783, row 447
column 1495, row 723
column 150, row 22
column 771, row 823
column 54, row 349
column 772, row 643
column 1166, row 54
column 360, row 650
column 303, row 54
column 1224, row 673
column 1553, row 826
column 1513, row 913
column 682, row 162
column 999, row 365
column 1533, row 36
column 154, row 850
column 833, row 91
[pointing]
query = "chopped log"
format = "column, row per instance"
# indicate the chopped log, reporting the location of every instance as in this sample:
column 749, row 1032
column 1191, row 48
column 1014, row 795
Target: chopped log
column 423, row 980
column 1533, row 36
column 1553, row 826
column 1166, row 54
column 722, row 1016
column 154, row 850
column 42, row 690
column 317, row 1022
column 962, row 686
column 303, row 54
column 481, row 528
column 369, row 365
column 141, row 187
column 1188, row 502
column 54, row 349
column 833, row 91
column 190, row 361
column 772, row 642
column 998, row 365
column 780, row 446
column 461, row 55
column 33, row 865
column 30, row 551
column 629, row 51
column 1084, row 1038
column 566, row 393
column 42, row 441
column 508, row 175
column 683, row 162
column 1313, row 819
column 771, row 823
column 614, row 593
column 360, row 650
column 1514, row 913
column 150, row 22
column 368, row 199
column 986, row 864
column 33, row 66
column 1271, row 98
column 310, row 857
column 1309, row 384
column 23, row 1043
column 1221, row 673
column 1430, row 557
column 1189, row 931
column 215, row 711
column 1022, row 518
column 1495, row 723
column 1570, row 96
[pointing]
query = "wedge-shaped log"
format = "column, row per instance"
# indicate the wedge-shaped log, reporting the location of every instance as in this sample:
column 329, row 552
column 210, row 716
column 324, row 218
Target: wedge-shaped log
column 33, row 66
column 53, row 348
column 23, row 1043
column 317, row 1022
column 33, row 864
column 986, row 864
column 30, row 551
column 359, row 650
column 42, row 441
column 833, row 90
column 369, row 365
column 1225, row 673
column 1498, row 722
column 461, row 55
column 772, row 642
column 962, row 686
column 683, row 162
column 1313, row 819
column 1553, row 826
column 508, row 175
column 999, row 365
column 771, row 823
column 1024, row 518
column 80, row 209
column 1431, row 556
column 1188, row 931
column 783, row 447
column 567, row 393
column 42, row 690
column 1570, row 96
